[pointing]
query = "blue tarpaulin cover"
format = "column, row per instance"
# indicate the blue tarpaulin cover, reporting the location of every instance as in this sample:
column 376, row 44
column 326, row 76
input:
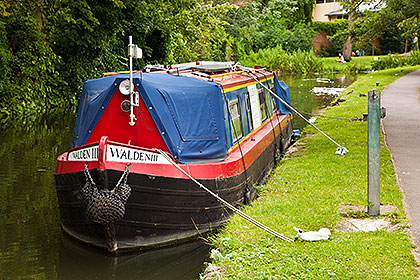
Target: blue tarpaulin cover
column 282, row 90
column 188, row 112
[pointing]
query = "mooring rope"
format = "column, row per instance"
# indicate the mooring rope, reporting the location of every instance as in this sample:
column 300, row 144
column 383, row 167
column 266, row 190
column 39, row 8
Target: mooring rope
column 355, row 118
column 227, row 204
column 291, row 108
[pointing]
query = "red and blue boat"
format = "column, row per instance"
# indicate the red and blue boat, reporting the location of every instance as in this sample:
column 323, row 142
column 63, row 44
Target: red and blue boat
column 217, row 122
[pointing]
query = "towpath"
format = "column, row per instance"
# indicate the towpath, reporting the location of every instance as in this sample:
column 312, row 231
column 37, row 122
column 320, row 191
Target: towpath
column 402, row 132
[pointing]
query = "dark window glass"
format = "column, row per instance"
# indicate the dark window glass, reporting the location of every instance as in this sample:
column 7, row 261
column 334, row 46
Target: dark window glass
column 235, row 119
column 273, row 99
column 248, row 108
column 263, row 105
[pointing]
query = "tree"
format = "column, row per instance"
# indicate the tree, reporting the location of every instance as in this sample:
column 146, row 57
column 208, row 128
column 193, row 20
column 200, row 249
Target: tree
column 292, row 11
column 351, row 6
column 404, row 13
column 400, row 15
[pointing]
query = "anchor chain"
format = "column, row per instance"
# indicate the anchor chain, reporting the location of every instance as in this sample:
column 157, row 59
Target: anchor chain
column 106, row 206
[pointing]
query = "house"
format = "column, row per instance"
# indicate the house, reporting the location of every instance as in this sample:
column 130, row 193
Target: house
column 330, row 10
column 325, row 7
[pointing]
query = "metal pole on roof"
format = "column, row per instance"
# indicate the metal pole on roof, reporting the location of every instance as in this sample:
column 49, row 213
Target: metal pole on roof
column 130, row 56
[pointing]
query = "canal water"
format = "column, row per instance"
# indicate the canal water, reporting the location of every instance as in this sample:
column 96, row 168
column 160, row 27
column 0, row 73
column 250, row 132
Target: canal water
column 32, row 245
column 310, row 94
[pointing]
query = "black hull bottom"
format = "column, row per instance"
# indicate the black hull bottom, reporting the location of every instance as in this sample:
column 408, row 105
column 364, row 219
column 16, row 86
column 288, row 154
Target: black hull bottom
column 161, row 210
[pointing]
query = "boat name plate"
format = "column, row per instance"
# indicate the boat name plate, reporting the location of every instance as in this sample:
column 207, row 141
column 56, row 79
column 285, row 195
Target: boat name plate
column 117, row 154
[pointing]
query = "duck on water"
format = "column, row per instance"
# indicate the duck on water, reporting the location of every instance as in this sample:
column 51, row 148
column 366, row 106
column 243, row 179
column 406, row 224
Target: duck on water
column 214, row 120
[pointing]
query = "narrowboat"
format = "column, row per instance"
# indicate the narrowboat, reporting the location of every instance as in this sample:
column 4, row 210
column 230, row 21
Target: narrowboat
column 214, row 120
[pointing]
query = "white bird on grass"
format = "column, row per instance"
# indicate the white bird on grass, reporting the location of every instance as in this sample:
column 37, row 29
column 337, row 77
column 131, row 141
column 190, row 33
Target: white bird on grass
column 322, row 234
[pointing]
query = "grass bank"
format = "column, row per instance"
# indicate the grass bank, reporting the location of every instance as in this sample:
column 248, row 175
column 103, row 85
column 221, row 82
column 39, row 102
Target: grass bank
column 357, row 64
column 305, row 190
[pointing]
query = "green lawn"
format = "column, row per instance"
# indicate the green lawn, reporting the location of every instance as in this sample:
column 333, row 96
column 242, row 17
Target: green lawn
column 305, row 190
column 360, row 64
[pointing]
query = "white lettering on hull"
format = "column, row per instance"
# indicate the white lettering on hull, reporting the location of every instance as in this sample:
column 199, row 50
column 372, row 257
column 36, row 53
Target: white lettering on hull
column 86, row 154
column 117, row 154
column 125, row 154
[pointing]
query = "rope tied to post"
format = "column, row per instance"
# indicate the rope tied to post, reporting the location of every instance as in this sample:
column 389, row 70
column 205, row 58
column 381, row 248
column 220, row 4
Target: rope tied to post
column 252, row 75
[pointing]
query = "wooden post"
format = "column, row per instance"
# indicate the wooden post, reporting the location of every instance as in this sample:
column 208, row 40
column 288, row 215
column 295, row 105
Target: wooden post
column 374, row 113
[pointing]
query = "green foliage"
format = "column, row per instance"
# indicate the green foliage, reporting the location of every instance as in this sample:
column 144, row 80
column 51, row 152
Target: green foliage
column 292, row 11
column 200, row 33
column 300, row 38
column 397, row 22
column 266, row 25
column 393, row 61
column 33, row 67
column 50, row 47
column 277, row 58
column 337, row 41
column 392, row 41
column 336, row 32
column 6, row 60
column 330, row 27
column 392, row 38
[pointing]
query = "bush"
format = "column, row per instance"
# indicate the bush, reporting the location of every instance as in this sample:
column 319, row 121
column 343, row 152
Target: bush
column 6, row 59
column 337, row 42
column 300, row 38
column 336, row 32
column 300, row 62
column 330, row 27
column 393, row 61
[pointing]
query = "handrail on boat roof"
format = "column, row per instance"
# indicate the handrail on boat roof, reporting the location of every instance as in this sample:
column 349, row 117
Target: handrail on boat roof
column 233, row 73
column 120, row 72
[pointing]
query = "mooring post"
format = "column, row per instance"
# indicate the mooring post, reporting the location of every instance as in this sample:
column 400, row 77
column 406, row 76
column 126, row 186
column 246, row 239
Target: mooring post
column 374, row 114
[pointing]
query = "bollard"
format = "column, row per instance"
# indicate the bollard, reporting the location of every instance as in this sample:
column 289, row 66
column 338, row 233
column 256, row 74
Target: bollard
column 374, row 114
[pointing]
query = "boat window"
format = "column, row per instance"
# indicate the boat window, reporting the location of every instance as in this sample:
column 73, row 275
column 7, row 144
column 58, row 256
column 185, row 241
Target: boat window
column 273, row 99
column 267, row 103
column 248, row 108
column 263, row 105
column 236, row 120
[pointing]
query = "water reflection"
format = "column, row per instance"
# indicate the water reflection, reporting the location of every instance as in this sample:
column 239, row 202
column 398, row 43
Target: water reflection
column 31, row 243
column 183, row 262
column 29, row 220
